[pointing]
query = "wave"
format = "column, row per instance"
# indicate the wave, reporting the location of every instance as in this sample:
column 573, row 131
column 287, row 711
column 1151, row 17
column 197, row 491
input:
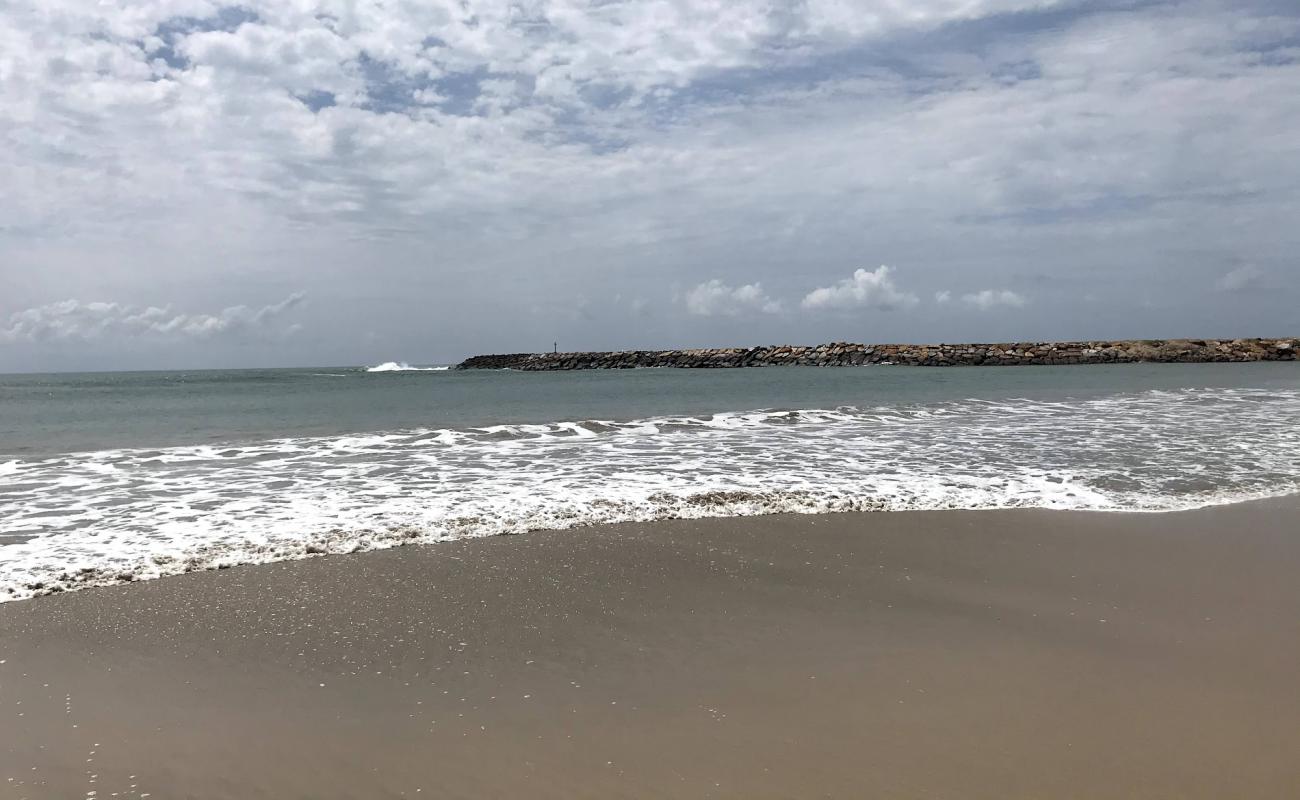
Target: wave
column 402, row 366
column 98, row 518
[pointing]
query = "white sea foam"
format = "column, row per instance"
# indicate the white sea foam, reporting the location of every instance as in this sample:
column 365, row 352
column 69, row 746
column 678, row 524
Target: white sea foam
column 95, row 518
column 402, row 366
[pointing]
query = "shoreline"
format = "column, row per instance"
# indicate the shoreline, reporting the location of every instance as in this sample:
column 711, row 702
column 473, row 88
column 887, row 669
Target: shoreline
column 336, row 543
column 933, row 653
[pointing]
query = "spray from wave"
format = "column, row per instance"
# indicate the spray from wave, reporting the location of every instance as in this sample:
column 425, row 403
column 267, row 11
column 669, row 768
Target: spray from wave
column 402, row 366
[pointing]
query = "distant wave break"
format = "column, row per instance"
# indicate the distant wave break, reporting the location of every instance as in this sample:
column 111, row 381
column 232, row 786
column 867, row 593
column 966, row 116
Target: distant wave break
column 402, row 366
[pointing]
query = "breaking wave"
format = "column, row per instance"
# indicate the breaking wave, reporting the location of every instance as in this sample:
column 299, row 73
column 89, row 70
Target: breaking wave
column 104, row 517
column 402, row 366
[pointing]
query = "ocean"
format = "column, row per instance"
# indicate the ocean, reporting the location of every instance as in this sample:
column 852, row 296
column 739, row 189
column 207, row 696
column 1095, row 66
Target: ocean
column 112, row 477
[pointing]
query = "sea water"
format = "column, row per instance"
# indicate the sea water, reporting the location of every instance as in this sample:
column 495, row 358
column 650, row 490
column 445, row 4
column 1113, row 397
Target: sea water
column 112, row 477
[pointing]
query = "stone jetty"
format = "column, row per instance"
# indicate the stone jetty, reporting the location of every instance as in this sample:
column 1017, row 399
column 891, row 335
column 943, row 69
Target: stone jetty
column 847, row 354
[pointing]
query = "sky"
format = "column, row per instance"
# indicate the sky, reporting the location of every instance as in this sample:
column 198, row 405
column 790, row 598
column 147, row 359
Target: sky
column 191, row 183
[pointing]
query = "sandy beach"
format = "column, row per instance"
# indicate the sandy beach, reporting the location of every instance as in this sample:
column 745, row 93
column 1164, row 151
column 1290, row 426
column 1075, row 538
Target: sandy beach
column 998, row 654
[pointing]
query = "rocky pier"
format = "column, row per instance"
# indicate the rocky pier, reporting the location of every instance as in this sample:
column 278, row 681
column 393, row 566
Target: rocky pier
column 847, row 354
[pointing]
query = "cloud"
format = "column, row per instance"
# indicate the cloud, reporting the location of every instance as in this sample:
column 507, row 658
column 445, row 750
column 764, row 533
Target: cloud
column 943, row 297
column 415, row 108
column 1247, row 276
column 994, row 298
column 714, row 298
column 864, row 290
column 376, row 149
column 72, row 320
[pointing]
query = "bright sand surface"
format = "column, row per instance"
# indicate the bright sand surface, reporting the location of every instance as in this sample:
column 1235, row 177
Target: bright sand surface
column 1007, row 654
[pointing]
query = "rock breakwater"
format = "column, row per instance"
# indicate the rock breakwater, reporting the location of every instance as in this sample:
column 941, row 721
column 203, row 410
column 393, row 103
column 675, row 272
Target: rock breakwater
column 848, row 354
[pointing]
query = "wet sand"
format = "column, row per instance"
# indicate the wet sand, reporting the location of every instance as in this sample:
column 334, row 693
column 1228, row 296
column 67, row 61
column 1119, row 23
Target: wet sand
column 1021, row 654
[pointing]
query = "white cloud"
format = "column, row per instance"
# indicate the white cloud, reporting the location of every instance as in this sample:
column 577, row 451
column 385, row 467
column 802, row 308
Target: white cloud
column 714, row 298
column 343, row 143
column 864, row 290
column 943, row 297
column 1247, row 276
column 72, row 320
column 479, row 105
column 994, row 298
column 548, row 78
